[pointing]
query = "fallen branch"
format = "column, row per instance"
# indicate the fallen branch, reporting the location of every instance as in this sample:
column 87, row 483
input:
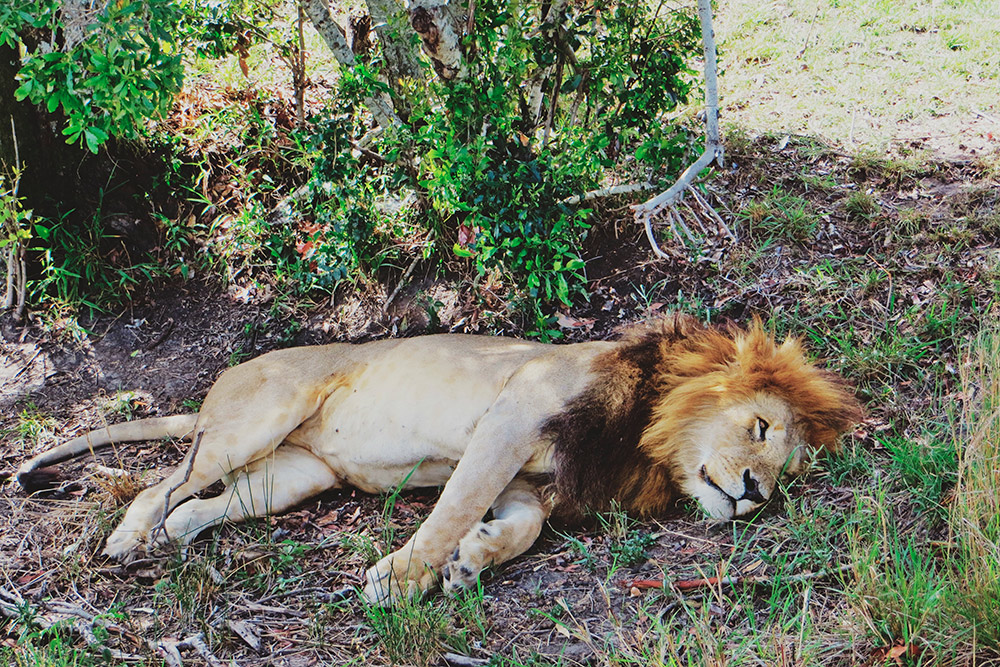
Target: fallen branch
column 713, row 153
column 713, row 582
column 610, row 191
column 162, row 525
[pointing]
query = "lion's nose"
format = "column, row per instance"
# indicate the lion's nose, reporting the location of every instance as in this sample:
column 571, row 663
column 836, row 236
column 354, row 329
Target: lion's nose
column 751, row 488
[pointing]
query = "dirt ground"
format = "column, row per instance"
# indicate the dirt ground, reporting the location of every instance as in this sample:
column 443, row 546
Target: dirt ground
column 263, row 594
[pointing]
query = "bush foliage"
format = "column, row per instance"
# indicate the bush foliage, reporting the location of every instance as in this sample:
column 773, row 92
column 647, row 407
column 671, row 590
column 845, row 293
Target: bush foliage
column 490, row 160
column 480, row 169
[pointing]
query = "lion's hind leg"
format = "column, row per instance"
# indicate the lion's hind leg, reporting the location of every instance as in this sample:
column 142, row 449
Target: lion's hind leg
column 519, row 513
column 268, row 485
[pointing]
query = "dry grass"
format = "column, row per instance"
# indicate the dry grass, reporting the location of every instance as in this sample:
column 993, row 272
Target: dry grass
column 975, row 515
column 864, row 74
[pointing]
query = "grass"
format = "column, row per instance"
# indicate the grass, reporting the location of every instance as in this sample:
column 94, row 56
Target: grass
column 860, row 74
column 975, row 510
column 418, row 632
column 31, row 428
column 895, row 303
column 779, row 215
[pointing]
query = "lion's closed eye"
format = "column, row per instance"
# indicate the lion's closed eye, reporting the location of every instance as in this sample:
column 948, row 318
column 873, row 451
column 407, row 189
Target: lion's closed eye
column 762, row 429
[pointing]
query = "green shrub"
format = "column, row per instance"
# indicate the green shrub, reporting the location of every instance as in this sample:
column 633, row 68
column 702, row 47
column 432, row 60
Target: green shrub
column 478, row 170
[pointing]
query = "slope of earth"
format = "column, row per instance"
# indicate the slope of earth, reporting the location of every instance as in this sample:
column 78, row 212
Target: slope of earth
column 886, row 268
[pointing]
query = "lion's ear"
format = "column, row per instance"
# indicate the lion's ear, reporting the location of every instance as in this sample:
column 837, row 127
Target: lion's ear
column 827, row 407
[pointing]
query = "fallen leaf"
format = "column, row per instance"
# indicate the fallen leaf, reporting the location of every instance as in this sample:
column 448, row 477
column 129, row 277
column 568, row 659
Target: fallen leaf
column 567, row 322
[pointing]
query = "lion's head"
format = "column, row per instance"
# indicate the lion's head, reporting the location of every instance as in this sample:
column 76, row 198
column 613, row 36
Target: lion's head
column 716, row 414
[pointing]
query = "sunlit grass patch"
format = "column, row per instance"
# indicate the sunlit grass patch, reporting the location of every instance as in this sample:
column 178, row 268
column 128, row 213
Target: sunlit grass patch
column 859, row 73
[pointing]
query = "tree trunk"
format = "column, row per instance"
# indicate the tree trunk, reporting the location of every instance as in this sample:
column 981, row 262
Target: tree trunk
column 392, row 26
column 439, row 24
column 333, row 35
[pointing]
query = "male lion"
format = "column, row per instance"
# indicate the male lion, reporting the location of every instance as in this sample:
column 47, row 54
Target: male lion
column 513, row 427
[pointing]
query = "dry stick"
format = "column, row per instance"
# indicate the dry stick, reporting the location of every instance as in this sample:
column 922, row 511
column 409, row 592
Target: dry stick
column 694, row 584
column 713, row 143
column 406, row 275
column 463, row 660
column 11, row 604
column 162, row 525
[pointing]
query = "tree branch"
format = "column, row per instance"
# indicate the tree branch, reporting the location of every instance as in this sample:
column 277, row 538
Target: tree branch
column 713, row 143
column 162, row 525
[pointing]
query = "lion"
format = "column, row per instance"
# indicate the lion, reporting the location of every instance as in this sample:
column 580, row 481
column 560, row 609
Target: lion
column 515, row 431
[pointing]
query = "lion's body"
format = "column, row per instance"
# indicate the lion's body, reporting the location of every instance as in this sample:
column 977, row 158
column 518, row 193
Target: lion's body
column 375, row 434
column 667, row 412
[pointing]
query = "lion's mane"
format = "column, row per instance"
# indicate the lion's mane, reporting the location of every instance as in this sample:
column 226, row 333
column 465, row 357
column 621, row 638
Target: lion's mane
column 620, row 437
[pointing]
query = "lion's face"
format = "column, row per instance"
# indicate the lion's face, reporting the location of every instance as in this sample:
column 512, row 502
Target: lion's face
column 736, row 456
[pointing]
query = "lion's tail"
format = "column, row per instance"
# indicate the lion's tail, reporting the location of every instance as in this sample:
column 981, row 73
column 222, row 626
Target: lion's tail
column 176, row 426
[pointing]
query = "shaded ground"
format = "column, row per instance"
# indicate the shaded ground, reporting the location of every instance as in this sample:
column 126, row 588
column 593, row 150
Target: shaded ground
column 884, row 266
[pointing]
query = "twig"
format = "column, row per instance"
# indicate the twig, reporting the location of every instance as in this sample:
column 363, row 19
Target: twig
column 986, row 116
column 463, row 660
column 27, row 365
column 406, row 275
column 711, row 582
column 82, row 622
column 805, row 44
column 162, row 336
column 162, row 525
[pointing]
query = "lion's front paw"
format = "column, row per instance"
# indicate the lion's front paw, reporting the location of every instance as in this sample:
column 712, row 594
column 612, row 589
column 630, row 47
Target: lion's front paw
column 122, row 544
column 398, row 575
column 474, row 553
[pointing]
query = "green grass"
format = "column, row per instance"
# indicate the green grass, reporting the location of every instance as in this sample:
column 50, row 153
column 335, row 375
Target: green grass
column 779, row 215
column 862, row 206
column 628, row 542
column 418, row 631
column 31, row 428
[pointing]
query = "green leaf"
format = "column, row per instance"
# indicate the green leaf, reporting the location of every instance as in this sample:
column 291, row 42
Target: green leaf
column 95, row 137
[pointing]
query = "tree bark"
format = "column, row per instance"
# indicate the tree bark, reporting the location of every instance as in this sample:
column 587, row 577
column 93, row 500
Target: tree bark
column 439, row 24
column 395, row 34
column 333, row 35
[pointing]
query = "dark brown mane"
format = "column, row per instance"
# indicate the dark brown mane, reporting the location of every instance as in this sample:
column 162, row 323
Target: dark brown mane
column 596, row 438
